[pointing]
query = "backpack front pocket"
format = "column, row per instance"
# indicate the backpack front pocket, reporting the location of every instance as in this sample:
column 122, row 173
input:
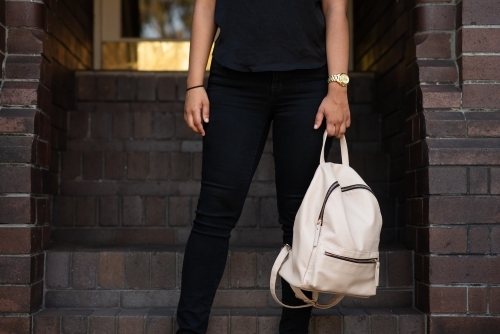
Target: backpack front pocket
column 344, row 275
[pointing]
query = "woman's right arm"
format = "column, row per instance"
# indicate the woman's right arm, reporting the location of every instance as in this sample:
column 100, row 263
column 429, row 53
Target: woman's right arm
column 203, row 30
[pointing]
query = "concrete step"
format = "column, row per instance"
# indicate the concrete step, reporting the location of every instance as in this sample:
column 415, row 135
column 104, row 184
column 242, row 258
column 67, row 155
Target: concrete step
column 150, row 277
column 225, row 321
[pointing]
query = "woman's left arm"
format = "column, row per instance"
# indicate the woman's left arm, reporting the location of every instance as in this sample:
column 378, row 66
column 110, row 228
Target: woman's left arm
column 335, row 107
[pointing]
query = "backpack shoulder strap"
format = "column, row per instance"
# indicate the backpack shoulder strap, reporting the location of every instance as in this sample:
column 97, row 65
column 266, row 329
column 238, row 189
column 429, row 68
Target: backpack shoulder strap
column 274, row 274
column 314, row 301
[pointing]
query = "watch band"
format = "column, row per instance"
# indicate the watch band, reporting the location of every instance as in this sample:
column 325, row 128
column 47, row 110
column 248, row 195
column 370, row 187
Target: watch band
column 337, row 78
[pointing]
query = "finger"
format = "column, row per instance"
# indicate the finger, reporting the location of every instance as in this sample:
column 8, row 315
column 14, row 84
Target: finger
column 318, row 120
column 205, row 112
column 331, row 129
column 348, row 120
column 197, row 122
column 342, row 130
column 190, row 123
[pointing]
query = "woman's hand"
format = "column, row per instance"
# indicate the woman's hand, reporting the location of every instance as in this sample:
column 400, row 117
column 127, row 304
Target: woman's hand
column 196, row 106
column 335, row 108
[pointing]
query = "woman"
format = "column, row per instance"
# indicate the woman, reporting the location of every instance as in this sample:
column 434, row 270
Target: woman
column 270, row 64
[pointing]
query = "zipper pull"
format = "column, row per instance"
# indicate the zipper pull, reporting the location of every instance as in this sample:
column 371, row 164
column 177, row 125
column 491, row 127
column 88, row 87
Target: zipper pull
column 316, row 234
column 377, row 272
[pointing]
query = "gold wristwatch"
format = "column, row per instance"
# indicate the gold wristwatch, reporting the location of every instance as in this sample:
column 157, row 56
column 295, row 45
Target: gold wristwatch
column 341, row 78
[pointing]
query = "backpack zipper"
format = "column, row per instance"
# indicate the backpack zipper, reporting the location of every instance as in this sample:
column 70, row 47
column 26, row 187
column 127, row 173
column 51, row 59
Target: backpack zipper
column 350, row 259
column 334, row 186
column 357, row 186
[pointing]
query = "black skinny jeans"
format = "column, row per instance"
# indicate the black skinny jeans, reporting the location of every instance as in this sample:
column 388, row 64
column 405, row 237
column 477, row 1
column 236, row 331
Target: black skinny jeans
column 242, row 107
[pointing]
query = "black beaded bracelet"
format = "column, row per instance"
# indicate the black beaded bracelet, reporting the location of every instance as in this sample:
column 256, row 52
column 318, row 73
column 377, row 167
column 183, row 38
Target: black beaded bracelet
column 194, row 87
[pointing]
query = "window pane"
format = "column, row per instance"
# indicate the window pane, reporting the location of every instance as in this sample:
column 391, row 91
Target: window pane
column 157, row 19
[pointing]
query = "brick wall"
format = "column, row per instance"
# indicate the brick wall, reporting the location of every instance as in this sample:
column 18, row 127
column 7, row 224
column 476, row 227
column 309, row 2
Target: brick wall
column 452, row 151
column 131, row 173
column 437, row 87
column 40, row 44
column 380, row 34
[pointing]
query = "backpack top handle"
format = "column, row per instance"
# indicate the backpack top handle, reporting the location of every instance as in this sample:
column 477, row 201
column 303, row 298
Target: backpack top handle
column 343, row 150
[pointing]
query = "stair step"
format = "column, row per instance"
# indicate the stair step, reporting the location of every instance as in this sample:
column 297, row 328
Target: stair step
column 150, row 277
column 226, row 321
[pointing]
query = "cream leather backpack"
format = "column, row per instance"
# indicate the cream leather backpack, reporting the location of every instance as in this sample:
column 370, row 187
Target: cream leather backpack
column 336, row 237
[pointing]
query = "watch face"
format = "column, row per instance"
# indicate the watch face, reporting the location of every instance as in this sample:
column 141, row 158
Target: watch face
column 344, row 79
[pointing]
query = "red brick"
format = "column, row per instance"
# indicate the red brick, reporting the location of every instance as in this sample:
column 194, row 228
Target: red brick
column 86, row 84
column 71, row 165
column 78, row 124
column 479, row 67
column 100, row 125
column 137, row 270
column 111, row 270
column 158, row 166
column 447, row 299
column 131, row 321
column 114, row 165
column 463, row 151
column 463, row 324
column 163, row 124
column 121, row 124
column 167, row 86
column 463, row 210
column 399, row 268
column 46, row 322
column 447, row 180
column 179, row 211
column 495, row 180
column 464, row 269
column 145, row 237
column 20, row 299
column 483, row 13
column 142, row 125
column 126, row 87
column 16, row 210
column 478, row 180
column 435, row 45
column 181, row 166
column 477, row 299
column 85, row 211
column 480, row 39
column 16, row 180
column 23, row 67
column 92, row 165
column 25, row 14
column 20, row 93
column 146, row 87
column 444, row 240
column 17, row 120
column 163, row 270
column 494, row 300
column 243, row 269
column 444, row 124
column 106, row 87
column 479, row 240
column 440, row 96
column 483, row 124
column 137, row 165
column 83, row 270
column 132, row 211
column 434, row 18
column 26, row 41
column 481, row 96
column 16, row 325
column 19, row 240
column 155, row 211
column 109, row 211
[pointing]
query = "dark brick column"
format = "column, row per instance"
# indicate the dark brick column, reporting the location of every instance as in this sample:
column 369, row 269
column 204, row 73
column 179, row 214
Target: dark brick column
column 25, row 130
column 41, row 42
column 452, row 158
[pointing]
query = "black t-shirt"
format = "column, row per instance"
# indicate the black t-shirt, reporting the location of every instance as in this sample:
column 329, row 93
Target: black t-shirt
column 270, row 35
